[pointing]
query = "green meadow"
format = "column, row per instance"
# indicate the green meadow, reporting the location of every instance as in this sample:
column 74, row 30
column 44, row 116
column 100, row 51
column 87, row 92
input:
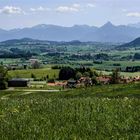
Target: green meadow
column 39, row 73
column 99, row 112
column 53, row 73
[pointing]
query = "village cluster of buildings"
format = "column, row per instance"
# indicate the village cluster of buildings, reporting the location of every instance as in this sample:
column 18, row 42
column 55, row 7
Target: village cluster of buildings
column 82, row 82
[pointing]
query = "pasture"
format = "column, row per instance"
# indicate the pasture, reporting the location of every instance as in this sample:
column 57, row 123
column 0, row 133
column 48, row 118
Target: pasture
column 99, row 112
column 53, row 73
column 39, row 73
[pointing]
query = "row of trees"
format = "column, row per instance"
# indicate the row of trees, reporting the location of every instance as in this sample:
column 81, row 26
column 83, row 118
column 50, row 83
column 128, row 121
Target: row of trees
column 67, row 73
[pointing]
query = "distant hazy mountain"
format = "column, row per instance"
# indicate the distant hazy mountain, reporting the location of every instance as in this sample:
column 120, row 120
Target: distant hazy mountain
column 48, row 32
column 135, row 43
column 19, row 41
column 35, row 41
column 136, row 25
column 106, row 33
column 111, row 33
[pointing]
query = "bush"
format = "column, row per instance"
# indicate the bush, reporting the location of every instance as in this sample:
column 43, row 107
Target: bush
column 94, row 81
column 116, row 64
column 51, row 81
column 115, row 76
column 3, row 78
column 137, row 56
column 78, row 75
column 33, row 76
column 3, row 85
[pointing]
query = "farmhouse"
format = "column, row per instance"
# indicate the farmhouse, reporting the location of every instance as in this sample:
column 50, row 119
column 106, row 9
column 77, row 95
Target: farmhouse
column 71, row 83
column 62, row 84
column 32, row 61
column 17, row 82
column 84, row 81
column 104, row 79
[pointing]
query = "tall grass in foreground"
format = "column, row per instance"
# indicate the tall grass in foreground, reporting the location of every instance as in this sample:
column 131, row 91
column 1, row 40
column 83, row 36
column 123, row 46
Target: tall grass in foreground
column 108, row 112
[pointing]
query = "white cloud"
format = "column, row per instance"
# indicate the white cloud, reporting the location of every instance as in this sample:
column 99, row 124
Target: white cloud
column 91, row 5
column 133, row 14
column 66, row 9
column 39, row 9
column 11, row 10
column 73, row 8
column 76, row 5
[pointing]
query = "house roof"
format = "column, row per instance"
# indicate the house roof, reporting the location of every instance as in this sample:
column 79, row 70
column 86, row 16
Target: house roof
column 71, row 81
column 103, row 79
column 19, row 79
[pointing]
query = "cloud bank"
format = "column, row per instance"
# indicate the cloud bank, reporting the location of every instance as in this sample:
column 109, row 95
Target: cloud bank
column 11, row 10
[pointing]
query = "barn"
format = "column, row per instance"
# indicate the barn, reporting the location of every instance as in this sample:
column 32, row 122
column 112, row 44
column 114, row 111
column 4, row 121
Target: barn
column 18, row 82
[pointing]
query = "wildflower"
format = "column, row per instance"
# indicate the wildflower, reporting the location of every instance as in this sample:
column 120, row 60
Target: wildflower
column 108, row 99
column 15, row 110
column 126, row 98
column 27, row 106
column 129, row 106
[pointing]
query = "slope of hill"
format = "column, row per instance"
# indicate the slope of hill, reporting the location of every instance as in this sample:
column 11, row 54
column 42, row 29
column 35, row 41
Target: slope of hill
column 16, row 41
column 132, row 44
column 106, row 33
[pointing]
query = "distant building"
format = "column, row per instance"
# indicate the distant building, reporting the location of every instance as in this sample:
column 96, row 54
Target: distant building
column 71, row 83
column 32, row 61
column 35, row 63
column 104, row 79
column 18, row 82
column 84, row 81
column 13, row 66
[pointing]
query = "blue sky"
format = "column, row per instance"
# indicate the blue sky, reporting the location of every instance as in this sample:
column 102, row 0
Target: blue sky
column 26, row 13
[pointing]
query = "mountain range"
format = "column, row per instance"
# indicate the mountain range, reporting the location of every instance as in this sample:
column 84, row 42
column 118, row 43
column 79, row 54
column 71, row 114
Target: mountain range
column 106, row 33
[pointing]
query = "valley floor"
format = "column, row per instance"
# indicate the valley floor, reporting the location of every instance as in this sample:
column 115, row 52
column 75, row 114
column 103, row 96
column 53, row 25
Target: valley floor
column 100, row 112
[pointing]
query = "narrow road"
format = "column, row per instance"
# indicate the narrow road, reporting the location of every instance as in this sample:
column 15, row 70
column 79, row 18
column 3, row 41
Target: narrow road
column 39, row 90
column 34, row 90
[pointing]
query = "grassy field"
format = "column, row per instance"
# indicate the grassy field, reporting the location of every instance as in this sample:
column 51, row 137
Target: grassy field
column 10, row 61
column 102, row 112
column 53, row 73
column 39, row 73
column 125, row 74
column 109, row 65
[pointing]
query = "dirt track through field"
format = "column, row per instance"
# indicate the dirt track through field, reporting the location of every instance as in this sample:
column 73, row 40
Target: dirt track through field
column 5, row 97
column 26, row 92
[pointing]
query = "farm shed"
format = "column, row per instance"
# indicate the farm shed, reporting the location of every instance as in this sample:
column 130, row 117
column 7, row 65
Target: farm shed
column 18, row 82
column 71, row 83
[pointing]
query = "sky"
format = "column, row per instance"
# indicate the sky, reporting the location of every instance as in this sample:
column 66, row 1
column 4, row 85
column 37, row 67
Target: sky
column 27, row 13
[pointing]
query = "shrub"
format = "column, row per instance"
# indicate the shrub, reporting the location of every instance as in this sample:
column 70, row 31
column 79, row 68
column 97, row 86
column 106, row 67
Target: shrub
column 3, row 78
column 51, row 80
column 115, row 76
